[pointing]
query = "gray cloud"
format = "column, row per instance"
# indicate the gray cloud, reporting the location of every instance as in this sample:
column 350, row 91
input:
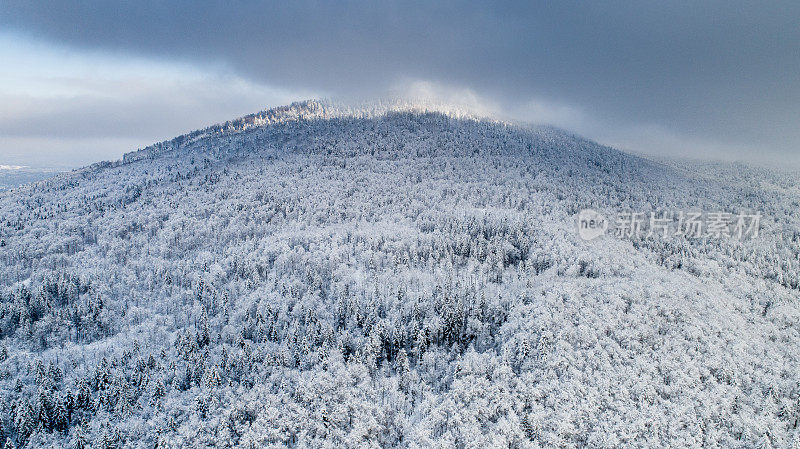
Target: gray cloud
column 148, row 111
column 721, row 72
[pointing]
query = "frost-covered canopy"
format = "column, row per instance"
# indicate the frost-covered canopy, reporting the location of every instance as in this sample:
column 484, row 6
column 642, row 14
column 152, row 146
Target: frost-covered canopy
column 314, row 276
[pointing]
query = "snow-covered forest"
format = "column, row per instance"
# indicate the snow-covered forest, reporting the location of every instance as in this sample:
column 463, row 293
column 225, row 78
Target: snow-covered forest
column 392, row 277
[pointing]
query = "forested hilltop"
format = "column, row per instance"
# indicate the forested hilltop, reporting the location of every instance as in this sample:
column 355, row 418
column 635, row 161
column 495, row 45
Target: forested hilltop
column 312, row 276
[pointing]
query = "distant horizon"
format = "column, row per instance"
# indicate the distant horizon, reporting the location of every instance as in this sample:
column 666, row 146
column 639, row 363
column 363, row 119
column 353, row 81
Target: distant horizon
column 478, row 111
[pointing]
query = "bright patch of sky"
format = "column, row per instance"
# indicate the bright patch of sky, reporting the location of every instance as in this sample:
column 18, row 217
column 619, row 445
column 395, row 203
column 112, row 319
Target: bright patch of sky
column 66, row 107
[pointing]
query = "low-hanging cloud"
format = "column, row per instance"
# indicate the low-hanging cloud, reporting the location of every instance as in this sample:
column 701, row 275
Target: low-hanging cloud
column 724, row 73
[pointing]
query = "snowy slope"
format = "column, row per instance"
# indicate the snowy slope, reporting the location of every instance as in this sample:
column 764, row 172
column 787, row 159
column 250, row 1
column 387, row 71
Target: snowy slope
column 316, row 276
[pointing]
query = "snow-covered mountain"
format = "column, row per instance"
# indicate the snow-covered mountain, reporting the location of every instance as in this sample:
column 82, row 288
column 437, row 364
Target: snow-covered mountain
column 318, row 276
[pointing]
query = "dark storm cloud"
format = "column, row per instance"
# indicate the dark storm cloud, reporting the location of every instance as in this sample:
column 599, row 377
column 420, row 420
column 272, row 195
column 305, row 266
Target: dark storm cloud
column 725, row 72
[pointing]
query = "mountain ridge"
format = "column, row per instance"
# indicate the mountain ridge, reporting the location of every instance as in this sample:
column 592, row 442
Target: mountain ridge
column 314, row 109
column 402, row 278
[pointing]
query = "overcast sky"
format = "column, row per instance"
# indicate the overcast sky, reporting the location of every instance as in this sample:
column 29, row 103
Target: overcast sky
column 90, row 80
